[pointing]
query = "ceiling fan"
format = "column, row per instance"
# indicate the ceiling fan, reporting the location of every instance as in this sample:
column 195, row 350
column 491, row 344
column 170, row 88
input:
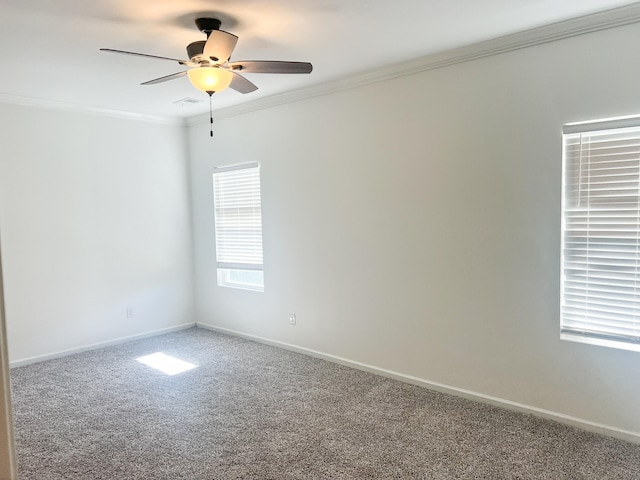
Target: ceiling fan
column 209, row 60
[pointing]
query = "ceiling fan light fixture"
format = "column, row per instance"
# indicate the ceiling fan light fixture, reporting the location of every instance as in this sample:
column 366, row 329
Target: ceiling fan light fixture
column 210, row 79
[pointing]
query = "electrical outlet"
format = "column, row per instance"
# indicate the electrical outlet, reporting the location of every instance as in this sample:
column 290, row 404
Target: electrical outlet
column 129, row 312
column 292, row 319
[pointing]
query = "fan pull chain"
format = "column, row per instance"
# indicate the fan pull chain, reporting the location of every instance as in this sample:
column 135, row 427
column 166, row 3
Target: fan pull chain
column 210, row 115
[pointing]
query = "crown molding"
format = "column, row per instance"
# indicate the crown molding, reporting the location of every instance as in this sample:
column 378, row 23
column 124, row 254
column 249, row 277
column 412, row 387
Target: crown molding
column 595, row 22
column 77, row 108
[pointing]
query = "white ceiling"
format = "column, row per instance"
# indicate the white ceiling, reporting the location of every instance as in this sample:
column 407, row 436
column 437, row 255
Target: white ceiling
column 50, row 48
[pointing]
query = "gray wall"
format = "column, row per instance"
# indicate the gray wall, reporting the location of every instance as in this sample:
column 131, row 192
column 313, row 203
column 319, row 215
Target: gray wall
column 413, row 225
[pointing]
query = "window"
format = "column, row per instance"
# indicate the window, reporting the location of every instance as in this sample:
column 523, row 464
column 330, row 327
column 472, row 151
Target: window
column 601, row 233
column 238, row 224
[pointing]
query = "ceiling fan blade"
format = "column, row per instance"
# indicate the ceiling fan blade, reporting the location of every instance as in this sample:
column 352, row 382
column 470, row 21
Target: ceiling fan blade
column 219, row 46
column 241, row 84
column 165, row 78
column 259, row 66
column 181, row 62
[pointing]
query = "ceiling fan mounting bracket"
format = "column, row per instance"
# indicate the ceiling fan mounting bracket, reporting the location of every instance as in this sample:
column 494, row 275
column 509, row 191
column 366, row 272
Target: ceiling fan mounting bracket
column 208, row 25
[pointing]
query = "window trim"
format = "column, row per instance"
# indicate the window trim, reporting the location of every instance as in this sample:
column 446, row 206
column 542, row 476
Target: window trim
column 223, row 277
column 603, row 338
column 225, row 268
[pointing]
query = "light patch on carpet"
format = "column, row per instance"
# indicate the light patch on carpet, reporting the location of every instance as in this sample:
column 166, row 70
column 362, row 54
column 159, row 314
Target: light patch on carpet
column 166, row 363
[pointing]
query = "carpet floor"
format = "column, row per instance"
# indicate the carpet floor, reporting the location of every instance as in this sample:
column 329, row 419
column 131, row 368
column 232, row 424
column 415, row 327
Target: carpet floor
column 251, row 411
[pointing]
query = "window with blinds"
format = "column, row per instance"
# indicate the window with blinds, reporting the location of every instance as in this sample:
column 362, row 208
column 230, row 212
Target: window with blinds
column 238, row 226
column 601, row 233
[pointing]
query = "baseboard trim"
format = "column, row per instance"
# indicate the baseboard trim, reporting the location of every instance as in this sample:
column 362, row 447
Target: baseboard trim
column 96, row 346
column 607, row 430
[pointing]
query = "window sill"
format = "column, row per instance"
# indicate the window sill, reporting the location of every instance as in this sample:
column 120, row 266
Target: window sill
column 602, row 342
column 237, row 286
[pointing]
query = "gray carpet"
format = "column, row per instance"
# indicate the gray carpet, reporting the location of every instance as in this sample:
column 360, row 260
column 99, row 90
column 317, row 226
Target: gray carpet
column 252, row 411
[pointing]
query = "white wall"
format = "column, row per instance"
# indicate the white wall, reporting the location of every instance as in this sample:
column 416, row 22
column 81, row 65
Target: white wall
column 95, row 218
column 414, row 224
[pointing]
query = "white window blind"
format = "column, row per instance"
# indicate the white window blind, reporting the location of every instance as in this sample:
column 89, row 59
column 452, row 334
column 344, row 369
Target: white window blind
column 238, row 222
column 601, row 235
